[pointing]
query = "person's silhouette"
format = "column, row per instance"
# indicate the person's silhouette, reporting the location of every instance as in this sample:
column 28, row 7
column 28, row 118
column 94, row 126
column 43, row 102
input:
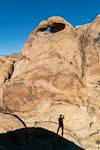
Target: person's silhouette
column 61, row 124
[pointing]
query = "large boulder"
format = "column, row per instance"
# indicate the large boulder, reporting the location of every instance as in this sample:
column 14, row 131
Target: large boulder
column 57, row 72
column 6, row 71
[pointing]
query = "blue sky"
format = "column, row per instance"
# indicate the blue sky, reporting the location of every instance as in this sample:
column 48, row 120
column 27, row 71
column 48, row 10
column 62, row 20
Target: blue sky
column 19, row 17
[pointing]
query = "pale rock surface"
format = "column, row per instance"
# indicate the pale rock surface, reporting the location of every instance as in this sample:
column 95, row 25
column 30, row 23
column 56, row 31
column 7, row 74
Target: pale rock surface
column 6, row 71
column 9, row 123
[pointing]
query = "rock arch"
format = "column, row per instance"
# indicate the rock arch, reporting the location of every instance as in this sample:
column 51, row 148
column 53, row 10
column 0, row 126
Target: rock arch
column 53, row 24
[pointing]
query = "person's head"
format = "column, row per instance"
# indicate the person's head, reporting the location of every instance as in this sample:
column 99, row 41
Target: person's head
column 61, row 115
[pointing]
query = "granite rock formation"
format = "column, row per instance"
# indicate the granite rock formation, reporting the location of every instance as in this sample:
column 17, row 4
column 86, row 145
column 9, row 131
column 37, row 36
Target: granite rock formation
column 57, row 71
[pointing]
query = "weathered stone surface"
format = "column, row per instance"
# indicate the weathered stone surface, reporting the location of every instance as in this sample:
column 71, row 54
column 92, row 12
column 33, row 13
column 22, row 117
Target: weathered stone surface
column 7, row 67
column 12, row 58
column 6, row 71
column 57, row 72
column 9, row 123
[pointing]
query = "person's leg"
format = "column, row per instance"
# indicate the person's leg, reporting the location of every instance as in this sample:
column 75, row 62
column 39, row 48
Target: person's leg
column 58, row 129
column 62, row 130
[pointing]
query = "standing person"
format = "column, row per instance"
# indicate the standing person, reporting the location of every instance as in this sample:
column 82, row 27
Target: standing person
column 61, row 124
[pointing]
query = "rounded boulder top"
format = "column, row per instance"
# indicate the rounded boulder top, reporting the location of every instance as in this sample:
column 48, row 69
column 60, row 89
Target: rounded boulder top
column 54, row 20
column 43, row 24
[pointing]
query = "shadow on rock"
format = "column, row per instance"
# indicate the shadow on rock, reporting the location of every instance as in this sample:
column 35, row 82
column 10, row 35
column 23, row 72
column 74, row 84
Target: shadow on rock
column 35, row 138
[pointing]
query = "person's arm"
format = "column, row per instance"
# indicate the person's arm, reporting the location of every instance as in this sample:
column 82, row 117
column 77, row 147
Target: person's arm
column 62, row 116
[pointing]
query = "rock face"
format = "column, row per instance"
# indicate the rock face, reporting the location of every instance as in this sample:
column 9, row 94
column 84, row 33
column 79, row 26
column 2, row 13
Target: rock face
column 9, row 123
column 6, row 67
column 58, row 71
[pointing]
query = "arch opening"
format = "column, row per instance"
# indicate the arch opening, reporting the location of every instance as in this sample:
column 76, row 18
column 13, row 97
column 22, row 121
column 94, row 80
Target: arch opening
column 53, row 28
column 56, row 27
